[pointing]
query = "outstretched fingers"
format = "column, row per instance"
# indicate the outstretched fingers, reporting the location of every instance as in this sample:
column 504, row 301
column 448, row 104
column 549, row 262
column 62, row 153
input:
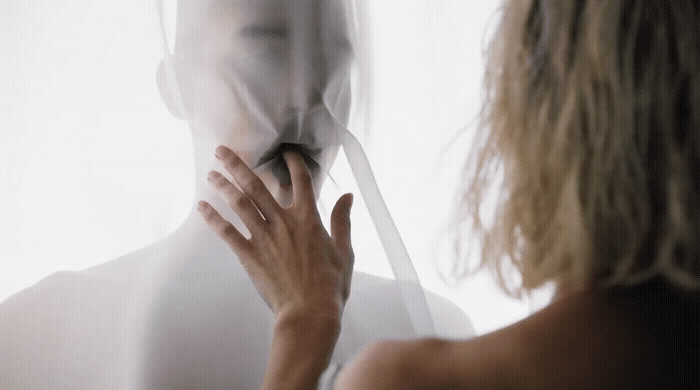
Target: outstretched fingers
column 250, row 183
column 239, row 203
column 225, row 230
column 293, row 261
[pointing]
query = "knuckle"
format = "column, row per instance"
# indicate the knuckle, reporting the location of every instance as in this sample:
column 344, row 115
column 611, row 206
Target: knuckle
column 233, row 165
column 240, row 202
column 206, row 212
column 308, row 209
column 255, row 187
column 316, row 228
column 210, row 215
column 226, row 229
column 287, row 226
column 305, row 178
column 268, row 242
column 345, row 220
column 234, row 161
column 219, row 181
column 230, row 191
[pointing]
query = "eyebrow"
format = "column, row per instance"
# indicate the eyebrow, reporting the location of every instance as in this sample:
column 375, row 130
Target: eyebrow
column 237, row 5
column 257, row 31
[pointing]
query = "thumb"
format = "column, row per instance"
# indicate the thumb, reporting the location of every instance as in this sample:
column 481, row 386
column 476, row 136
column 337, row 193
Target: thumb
column 340, row 223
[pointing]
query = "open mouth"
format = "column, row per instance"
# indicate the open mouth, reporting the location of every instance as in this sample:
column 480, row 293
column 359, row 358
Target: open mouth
column 273, row 161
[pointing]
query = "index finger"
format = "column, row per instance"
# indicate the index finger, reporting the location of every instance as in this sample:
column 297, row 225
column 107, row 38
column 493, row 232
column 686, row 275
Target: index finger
column 250, row 183
column 302, row 182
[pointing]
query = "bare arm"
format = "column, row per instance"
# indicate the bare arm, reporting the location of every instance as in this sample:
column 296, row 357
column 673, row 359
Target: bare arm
column 301, row 271
column 304, row 276
column 301, row 350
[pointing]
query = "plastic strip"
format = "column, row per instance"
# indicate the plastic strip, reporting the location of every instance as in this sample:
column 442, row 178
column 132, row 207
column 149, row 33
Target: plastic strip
column 170, row 67
column 402, row 267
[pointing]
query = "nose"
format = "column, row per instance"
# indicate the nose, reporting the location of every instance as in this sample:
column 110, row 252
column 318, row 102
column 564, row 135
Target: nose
column 306, row 58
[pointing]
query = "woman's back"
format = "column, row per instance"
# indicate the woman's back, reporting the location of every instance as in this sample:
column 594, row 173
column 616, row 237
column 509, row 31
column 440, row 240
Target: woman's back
column 646, row 337
column 591, row 110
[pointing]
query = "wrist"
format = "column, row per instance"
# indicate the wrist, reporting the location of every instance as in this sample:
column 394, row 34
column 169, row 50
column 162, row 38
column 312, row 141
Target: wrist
column 318, row 314
column 302, row 346
column 321, row 322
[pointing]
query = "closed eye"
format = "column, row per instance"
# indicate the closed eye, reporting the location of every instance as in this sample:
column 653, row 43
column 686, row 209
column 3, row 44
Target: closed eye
column 258, row 32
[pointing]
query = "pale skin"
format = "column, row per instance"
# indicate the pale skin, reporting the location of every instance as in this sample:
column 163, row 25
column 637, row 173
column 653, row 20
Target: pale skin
column 594, row 339
column 253, row 46
column 300, row 271
column 591, row 339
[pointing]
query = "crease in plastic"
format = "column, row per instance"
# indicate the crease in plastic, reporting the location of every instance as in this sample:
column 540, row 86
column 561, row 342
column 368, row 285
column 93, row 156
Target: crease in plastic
column 412, row 293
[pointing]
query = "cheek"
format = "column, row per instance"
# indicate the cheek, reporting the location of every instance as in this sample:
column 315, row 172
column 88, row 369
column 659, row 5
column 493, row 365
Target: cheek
column 266, row 92
column 218, row 112
column 249, row 103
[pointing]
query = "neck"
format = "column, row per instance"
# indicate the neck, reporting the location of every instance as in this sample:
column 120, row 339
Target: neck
column 205, row 161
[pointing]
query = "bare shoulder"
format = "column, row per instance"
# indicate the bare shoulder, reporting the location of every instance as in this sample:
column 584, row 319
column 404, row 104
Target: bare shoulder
column 641, row 338
column 487, row 362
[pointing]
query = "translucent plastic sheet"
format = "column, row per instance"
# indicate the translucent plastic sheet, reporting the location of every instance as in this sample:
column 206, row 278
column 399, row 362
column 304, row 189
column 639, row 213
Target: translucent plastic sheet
column 254, row 75
column 289, row 75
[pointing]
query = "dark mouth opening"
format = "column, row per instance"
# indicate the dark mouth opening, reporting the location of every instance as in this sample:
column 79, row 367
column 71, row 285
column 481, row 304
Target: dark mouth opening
column 279, row 167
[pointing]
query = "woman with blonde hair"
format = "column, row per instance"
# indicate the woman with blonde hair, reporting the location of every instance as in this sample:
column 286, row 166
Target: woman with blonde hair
column 592, row 109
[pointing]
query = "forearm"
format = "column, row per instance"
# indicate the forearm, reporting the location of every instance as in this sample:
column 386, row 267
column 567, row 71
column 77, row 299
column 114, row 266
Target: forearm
column 300, row 352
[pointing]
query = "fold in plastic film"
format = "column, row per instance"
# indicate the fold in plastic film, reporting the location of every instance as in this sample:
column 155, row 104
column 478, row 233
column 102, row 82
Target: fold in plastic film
column 401, row 265
column 318, row 84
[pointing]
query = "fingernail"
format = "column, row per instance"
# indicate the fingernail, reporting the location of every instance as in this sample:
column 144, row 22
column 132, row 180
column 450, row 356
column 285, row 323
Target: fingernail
column 211, row 175
column 201, row 205
column 220, row 151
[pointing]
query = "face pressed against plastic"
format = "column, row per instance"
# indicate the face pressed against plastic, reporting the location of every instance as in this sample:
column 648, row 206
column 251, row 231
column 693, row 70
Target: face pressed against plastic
column 139, row 317
column 250, row 50
column 253, row 76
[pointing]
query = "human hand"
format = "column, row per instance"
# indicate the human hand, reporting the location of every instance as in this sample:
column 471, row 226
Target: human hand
column 297, row 268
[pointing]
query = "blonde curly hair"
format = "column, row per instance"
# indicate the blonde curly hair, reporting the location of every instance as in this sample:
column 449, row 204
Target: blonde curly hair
column 592, row 113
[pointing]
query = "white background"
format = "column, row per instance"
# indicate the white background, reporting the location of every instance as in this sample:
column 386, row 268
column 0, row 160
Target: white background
column 92, row 166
